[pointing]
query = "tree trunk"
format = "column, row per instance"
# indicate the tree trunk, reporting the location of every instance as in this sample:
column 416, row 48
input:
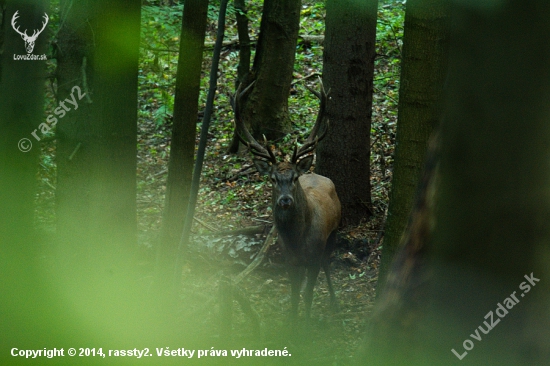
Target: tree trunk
column 182, row 151
column 348, row 68
column 485, row 268
column 21, row 112
column 243, row 69
column 423, row 71
column 74, row 132
column 96, row 159
column 244, row 41
column 265, row 109
column 96, row 153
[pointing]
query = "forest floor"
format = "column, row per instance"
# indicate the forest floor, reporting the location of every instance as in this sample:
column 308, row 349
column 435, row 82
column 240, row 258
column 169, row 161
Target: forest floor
column 234, row 196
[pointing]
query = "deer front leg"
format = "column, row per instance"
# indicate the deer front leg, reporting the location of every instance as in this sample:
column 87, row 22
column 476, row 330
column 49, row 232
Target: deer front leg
column 296, row 274
column 312, row 273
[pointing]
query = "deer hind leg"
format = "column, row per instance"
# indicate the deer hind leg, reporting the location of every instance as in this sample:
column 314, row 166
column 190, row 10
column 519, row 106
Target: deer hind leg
column 312, row 273
column 333, row 302
column 331, row 243
column 296, row 274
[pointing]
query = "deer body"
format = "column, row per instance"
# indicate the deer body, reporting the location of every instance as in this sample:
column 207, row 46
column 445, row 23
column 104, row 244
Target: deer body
column 306, row 208
column 305, row 228
column 307, row 232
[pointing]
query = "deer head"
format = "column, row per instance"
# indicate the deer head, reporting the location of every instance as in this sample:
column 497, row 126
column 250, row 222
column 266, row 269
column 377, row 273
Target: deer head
column 283, row 175
column 29, row 40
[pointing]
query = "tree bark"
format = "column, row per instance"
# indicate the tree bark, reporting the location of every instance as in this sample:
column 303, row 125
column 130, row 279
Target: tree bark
column 182, row 151
column 21, row 112
column 96, row 151
column 21, row 109
column 348, row 69
column 97, row 55
column 423, row 71
column 484, row 268
column 265, row 109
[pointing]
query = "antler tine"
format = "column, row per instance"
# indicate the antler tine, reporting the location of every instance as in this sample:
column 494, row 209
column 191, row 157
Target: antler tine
column 312, row 140
column 323, row 98
column 310, row 146
column 253, row 149
column 315, row 92
column 294, row 154
column 272, row 157
column 254, row 146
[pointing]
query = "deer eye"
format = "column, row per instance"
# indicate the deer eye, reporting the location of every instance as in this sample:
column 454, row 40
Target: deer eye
column 273, row 180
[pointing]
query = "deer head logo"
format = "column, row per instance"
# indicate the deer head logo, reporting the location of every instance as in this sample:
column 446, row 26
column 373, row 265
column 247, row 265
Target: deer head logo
column 29, row 40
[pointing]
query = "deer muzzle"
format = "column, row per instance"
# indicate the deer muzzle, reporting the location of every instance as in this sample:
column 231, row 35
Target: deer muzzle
column 285, row 202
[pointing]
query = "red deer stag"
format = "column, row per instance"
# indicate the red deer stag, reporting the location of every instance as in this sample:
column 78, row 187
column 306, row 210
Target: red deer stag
column 306, row 209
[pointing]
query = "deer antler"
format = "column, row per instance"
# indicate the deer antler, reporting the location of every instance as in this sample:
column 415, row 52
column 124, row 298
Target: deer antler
column 311, row 142
column 254, row 146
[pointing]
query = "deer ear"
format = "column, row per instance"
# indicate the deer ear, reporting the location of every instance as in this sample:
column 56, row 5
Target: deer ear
column 304, row 164
column 263, row 167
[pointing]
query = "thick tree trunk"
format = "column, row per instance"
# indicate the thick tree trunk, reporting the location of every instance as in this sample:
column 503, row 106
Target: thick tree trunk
column 265, row 110
column 96, row 159
column 182, row 151
column 21, row 112
column 480, row 292
column 423, row 71
column 96, row 153
column 348, row 69
column 73, row 133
